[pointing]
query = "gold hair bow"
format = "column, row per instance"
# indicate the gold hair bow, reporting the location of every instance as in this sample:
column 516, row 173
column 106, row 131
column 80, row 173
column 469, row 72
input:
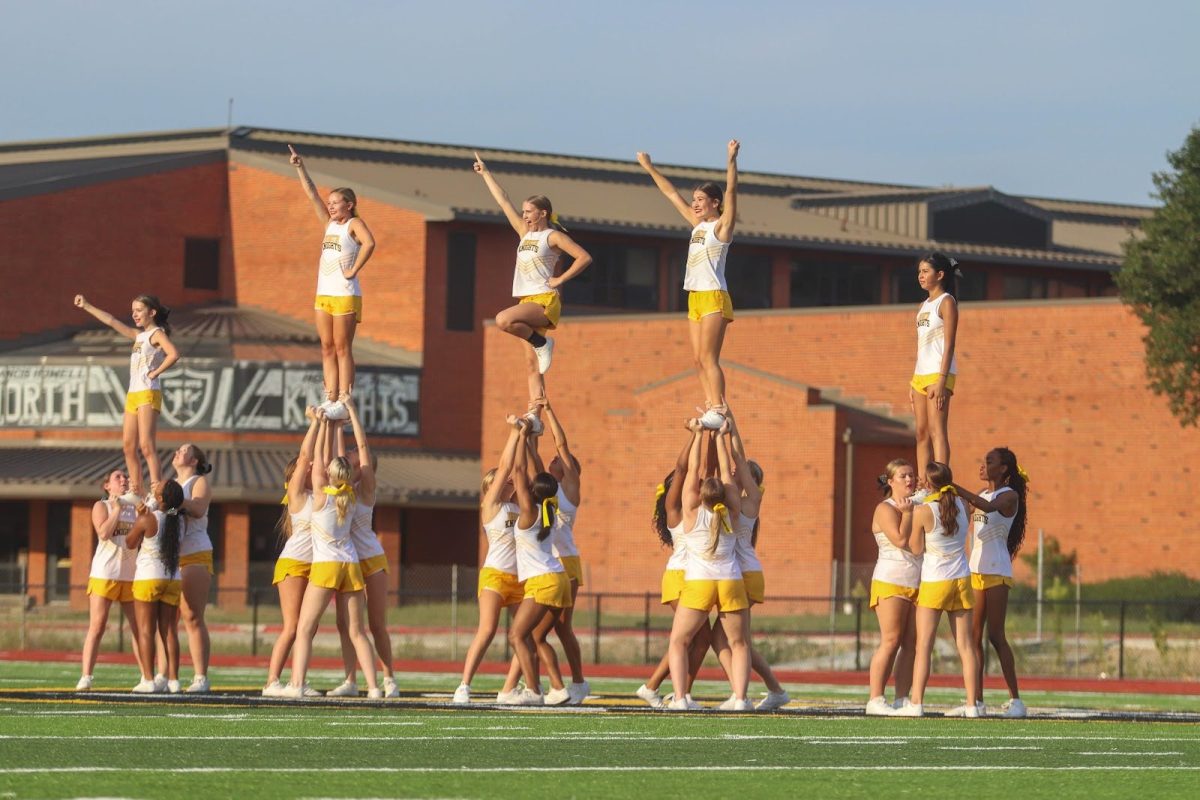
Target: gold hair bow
column 554, row 220
column 286, row 495
column 720, row 510
column 1024, row 475
column 547, row 504
column 343, row 488
column 659, row 491
column 935, row 496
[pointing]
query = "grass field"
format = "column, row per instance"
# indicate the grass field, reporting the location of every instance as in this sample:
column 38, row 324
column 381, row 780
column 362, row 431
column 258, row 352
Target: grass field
column 121, row 746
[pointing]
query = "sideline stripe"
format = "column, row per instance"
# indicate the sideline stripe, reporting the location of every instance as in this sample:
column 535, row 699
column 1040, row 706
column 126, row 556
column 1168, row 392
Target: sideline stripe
column 542, row 770
column 421, row 736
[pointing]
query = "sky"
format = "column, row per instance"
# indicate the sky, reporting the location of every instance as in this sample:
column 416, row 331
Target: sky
column 1063, row 98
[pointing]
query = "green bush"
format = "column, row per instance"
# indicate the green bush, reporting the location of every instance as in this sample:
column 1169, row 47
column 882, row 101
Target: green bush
column 1174, row 588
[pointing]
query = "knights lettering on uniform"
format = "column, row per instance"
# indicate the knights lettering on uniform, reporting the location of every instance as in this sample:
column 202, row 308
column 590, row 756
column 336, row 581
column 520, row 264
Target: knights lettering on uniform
column 530, row 245
column 979, row 517
column 923, row 319
column 699, row 237
column 332, row 243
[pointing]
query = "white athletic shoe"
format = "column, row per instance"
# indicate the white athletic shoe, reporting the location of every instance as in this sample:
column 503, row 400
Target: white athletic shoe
column 375, row 694
column 900, row 702
column 525, row 697
column 345, row 689
column 462, row 695
column 1014, row 709
column 729, row 704
column 879, row 707
column 390, row 689
column 712, row 419
column 545, row 354
column 336, row 411
column 972, row 712
column 508, row 698
column 293, row 692
column 273, row 689
column 199, row 685
column 651, row 697
column 85, row 683
column 744, row 704
column 774, row 700
column 910, row 710
column 151, row 502
column 579, row 692
column 982, row 708
column 129, row 499
column 145, row 687
column 557, row 697
column 311, row 692
column 536, row 426
column 686, row 703
column 173, row 687
column 160, row 683
column 961, row 711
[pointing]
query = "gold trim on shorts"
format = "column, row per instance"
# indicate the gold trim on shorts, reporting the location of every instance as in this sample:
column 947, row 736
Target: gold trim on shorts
column 672, row 585
column 505, row 584
column 724, row 595
column 923, row 382
column 549, row 589
column 952, row 595
column 201, row 559
column 981, row 582
column 374, row 564
column 712, row 301
column 573, row 567
column 551, row 302
column 882, row 590
column 340, row 305
column 146, row 397
column 290, row 568
column 149, row 591
column 117, row 591
column 341, row 576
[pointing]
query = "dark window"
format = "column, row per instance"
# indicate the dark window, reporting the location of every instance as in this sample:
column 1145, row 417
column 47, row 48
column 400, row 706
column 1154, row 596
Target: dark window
column 834, row 284
column 201, row 263
column 58, row 549
column 990, row 222
column 1024, row 287
column 620, row 276
column 14, row 544
column 460, row 281
column 748, row 275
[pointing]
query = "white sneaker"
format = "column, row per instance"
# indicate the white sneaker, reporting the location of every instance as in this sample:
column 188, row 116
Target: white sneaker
column 743, row 705
column 273, row 689
column 651, row 697
column 311, row 692
column 972, row 712
column 293, row 692
column 579, row 692
column 982, row 708
column 910, row 709
column 902, row 702
column 508, row 698
column 345, row 689
column 531, row 698
column 879, row 707
column 160, row 683
column 336, row 411
column 375, row 694
column 536, row 426
column 544, row 354
column 145, row 687
column 712, row 420
column 199, row 685
column 961, row 711
column 173, row 687
column 129, row 499
column 390, row 689
column 462, row 695
column 151, row 502
column 1014, row 709
column 686, row 703
column 774, row 700
column 85, row 683
column 729, row 704
column 557, row 697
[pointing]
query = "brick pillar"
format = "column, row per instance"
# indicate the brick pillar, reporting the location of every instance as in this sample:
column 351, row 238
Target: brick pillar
column 234, row 577
column 781, row 279
column 83, row 547
column 387, row 525
column 35, row 572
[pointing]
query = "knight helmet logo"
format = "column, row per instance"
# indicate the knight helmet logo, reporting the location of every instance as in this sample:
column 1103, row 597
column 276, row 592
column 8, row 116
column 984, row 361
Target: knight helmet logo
column 187, row 396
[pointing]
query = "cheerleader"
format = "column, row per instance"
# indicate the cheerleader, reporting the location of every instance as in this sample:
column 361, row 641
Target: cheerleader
column 345, row 250
column 933, row 379
column 713, row 216
column 894, row 588
column 998, row 529
column 292, row 567
column 373, row 562
column 156, row 584
column 535, row 285
column 111, row 577
column 499, row 586
column 335, row 571
column 938, row 529
column 712, row 578
column 195, row 558
column 153, row 354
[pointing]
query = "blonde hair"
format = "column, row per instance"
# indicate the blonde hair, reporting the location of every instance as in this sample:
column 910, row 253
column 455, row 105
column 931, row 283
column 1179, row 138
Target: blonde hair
column 339, row 473
column 712, row 492
column 489, row 477
column 283, row 528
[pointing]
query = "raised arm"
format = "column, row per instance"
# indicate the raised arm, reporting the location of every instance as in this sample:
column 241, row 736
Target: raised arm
column 733, row 493
column 366, row 480
column 673, row 502
column 500, row 196
column 105, row 518
column 725, row 225
column 366, row 246
column 533, row 461
column 161, row 340
column 108, row 319
column 301, row 474
column 668, row 189
column 691, row 481
column 505, row 467
column 309, row 187
column 745, row 478
column 1006, row 502
column 529, row 509
column 568, row 245
column 570, row 479
column 320, row 478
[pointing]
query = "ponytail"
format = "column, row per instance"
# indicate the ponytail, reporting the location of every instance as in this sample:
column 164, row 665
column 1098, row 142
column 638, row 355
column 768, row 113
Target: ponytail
column 946, row 498
column 659, row 520
column 1018, row 481
column 171, row 533
column 544, row 489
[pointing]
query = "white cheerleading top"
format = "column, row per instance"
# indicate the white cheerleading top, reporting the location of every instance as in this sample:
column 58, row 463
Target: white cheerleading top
column 299, row 546
column 536, row 261
column 931, row 339
column 533, row 557
column 721, row 565
column 743, row 547
column 366, row 543
column 331, row 539
column 706, row 260
column 195, row 538
column 562, row 534
column 113, row 561
column 678, row 560
column 338, row 251
column 144, row 359
column 896, row 565
column 149, row 558
column 946, row 556
column 502, row 547
column 989, row 547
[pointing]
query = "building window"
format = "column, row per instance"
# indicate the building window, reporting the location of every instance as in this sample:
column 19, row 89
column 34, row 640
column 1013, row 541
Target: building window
column 1028, row 287
column 620, row 276
column 201, row 263
column 460, row 281
column 748, row 275
column 834, row 284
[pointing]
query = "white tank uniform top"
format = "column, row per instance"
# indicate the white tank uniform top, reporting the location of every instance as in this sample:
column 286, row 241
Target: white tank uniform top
column 338, row 251
column 536, row 261
column 946, row 556
column 743, row 547
column 144, row 359
column 331, row 539
column 678, row 559
column 931, row 339
column 299, row 546
column 706, row 260
column 989, row 548
column 533, row 557
column 149, row 558
column 721, row 565
column 195, row 538
column 502, row 547
column 366, row 543
column 113, row 561
column 895, row 565
column 563, row 533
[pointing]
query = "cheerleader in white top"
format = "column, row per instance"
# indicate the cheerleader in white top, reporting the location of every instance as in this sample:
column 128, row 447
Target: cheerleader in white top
column 156, row 587
column 345, row 250
column 933, row 378
column 195, row 558
column 294, row 530
column 937, row 529
column 111, row 577
column 998, row 529
column 535, row 285
column 153, row 354
column 712, row 215
column 894, row 588
column 499, row 586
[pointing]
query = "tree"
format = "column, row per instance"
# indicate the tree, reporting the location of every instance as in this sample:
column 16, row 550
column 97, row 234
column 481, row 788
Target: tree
column 1160, row 281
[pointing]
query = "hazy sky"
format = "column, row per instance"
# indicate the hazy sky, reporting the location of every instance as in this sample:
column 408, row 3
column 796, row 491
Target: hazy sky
column 1078, row 98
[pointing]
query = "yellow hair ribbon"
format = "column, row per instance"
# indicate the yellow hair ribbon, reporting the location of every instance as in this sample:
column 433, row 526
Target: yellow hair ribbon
column 1024, row 475
column 659, row 491
column 935, row 496
column 547, row 504
column 344, row 488
column 284, row 501
column 720, row 510
column 554, row 219
column 762, row 487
